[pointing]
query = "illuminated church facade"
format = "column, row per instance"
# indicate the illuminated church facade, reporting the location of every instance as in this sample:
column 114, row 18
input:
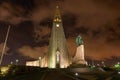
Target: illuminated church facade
column 58, row 55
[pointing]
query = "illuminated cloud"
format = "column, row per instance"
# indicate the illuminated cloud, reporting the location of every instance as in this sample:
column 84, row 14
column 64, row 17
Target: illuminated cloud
column 97, row 22
column 33, row 52
column 41, row 32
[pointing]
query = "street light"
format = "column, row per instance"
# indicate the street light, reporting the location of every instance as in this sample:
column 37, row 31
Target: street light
column 11, row 62
column 76, row 74
column 103, row 63
column 17, row 61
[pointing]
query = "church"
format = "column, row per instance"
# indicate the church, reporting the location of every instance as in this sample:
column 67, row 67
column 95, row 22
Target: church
column 58, row 55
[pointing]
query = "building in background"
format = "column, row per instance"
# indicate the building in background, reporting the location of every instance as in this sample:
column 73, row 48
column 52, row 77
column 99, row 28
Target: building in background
column 33, row 63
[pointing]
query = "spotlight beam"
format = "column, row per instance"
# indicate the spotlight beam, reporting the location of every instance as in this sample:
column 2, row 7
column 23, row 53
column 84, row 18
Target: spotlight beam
column 4, row 46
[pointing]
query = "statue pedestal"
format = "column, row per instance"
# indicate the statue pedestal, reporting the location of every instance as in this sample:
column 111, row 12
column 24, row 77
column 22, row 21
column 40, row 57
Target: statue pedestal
column 79, row 56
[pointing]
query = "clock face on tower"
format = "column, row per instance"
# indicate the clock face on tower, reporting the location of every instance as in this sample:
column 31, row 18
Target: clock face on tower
column 57, row 25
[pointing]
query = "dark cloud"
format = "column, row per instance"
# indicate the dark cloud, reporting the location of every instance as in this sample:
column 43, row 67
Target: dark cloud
column 26, row 4
column 82, row 30
column 113, row 34
column 118, row 19
column 96, row 33
column 22, row 34
column 46, row 22
column 69, row 23
column 69, row 20
column 3, row 29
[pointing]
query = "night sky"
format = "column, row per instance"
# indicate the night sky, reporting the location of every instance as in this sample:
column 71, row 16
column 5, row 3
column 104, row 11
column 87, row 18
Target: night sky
column 97, row 21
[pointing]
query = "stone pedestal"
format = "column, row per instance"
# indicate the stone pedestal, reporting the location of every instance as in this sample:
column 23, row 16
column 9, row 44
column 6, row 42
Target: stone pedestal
column 79, row 56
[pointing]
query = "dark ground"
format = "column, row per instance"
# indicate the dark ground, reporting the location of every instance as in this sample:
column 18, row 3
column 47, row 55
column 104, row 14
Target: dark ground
column 30, row 73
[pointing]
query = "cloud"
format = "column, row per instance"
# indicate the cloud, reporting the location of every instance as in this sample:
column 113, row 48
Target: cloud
column 33, row 52
column 91, row 13
column 101, row 51
column 71, row 45
column 41, row 33
column 11, row 14
column 97, row 22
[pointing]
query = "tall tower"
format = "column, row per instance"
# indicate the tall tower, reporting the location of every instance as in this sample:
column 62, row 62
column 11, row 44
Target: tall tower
column 58, row 56
column 79, row 56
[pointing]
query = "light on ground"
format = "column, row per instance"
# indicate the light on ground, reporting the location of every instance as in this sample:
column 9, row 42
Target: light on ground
column 119, row 72
column 76, row 74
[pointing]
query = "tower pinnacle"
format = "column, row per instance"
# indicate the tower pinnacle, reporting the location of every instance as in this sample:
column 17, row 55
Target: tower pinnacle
column 57, row 16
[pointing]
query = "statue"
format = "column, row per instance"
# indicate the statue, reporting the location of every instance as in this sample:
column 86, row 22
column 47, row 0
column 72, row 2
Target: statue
column 79, row 40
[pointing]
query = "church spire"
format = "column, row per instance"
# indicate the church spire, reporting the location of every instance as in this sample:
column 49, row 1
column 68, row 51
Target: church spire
column 58, row 56
column 57, row 16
